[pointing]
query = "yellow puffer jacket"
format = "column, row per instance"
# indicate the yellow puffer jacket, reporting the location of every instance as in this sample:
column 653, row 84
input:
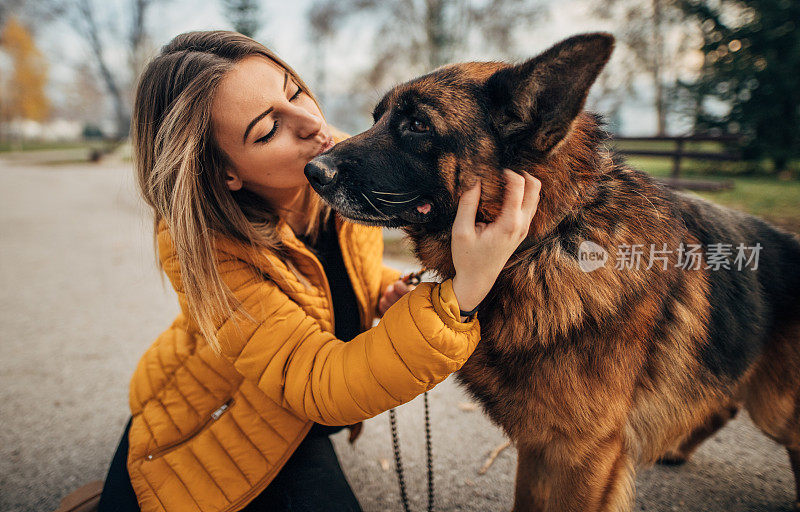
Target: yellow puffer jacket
column 210, row 432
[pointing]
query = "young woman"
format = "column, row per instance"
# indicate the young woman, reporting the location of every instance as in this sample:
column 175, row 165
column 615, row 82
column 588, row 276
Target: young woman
column 231, row 406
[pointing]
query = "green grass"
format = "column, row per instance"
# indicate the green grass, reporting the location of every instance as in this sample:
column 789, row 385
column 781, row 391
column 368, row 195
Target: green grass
column 770, row 199
column 773, row 199
column 662, row 167
column 39, row 146
column 665, row 145
column 61, row 153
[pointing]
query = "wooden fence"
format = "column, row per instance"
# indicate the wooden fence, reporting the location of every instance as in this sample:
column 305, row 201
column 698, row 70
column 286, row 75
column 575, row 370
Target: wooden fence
column 678, row 154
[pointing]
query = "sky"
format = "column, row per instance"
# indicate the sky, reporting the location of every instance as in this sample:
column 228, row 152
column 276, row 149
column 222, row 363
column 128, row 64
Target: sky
column 285, row 32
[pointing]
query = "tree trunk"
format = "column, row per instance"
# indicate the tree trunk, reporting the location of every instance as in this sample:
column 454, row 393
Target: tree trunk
column 657, row 69
column 436, row 33
column 779, row 164
column 92, row 35
column 137, row 37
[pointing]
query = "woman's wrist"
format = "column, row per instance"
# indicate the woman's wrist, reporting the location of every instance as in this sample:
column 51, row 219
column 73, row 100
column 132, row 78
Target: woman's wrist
column 465, row 295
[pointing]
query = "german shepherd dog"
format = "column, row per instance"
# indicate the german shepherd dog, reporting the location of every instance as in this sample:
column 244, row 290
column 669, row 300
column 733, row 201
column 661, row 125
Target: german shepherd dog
column 591, row 365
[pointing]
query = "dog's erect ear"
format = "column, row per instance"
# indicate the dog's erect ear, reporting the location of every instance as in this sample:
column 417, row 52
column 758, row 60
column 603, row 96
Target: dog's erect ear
column 532, row 104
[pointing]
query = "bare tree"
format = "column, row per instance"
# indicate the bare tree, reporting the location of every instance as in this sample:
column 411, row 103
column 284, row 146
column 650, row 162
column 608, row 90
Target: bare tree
column 416, row 36
column 138, row 40
column 322, row 20
column 244, row 15
column 80, row 93
column 118, row 84
column 33, row 13
column 9, row 7
column 90, row 30
column 657, row 35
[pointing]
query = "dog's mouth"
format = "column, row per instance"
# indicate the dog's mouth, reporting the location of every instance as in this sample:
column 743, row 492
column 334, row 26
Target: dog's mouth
column 410, row 206
column 358, row 198
column 392, row 209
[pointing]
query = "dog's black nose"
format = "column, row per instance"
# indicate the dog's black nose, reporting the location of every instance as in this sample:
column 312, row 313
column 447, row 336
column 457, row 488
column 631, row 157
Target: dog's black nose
column 321, row 172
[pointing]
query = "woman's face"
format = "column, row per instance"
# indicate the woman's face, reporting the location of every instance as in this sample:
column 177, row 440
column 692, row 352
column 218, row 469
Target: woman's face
column 268, row 128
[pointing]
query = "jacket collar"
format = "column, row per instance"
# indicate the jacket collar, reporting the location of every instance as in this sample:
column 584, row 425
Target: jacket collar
column 275, row 266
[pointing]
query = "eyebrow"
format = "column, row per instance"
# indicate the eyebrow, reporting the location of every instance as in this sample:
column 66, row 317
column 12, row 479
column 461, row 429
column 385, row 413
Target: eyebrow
column 262, row 115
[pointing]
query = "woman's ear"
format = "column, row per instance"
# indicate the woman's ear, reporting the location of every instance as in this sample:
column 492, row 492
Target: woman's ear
column 232, row 180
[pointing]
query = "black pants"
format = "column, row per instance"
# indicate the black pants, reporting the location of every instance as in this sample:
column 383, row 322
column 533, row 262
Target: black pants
column 311, row 480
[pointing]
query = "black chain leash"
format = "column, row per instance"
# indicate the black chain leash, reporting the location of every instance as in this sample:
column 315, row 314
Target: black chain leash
column 398, row 462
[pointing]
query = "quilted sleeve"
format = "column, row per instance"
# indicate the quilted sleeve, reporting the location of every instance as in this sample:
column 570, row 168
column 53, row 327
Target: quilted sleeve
column 416, row 345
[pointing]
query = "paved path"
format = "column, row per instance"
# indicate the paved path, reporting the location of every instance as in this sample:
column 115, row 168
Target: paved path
column 81, row 300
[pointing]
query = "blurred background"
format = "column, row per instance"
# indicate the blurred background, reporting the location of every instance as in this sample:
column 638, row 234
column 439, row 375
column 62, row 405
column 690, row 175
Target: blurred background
column 722, row 75
column 703, row 94
column 703, row 89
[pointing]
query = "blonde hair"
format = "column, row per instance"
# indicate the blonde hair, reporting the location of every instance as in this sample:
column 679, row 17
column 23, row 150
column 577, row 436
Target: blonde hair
column 181, row 170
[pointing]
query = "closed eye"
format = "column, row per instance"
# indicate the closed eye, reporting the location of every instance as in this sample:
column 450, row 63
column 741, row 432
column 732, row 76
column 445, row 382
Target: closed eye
column 295, row 95
column 271, row 133
column 268, row 136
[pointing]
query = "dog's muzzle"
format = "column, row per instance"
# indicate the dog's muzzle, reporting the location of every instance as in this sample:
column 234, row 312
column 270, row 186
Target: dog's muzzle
column 321, row 173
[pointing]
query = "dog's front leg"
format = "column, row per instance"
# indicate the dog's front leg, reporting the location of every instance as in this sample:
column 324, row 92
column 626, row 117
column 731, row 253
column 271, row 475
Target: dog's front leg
column 531, row 491
column 600, row 480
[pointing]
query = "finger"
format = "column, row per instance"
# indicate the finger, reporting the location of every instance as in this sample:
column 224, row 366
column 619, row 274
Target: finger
column 515, row 190
column 468, row 209
column 401, row 288
column 530, row 202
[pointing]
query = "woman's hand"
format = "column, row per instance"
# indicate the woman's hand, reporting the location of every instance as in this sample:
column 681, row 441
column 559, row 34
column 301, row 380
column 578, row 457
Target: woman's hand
column 392, row 294
column 481, row 250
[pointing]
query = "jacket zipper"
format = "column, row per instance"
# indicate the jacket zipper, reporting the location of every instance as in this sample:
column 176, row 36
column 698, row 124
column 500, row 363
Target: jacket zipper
column 260, row 486
column 214, row 416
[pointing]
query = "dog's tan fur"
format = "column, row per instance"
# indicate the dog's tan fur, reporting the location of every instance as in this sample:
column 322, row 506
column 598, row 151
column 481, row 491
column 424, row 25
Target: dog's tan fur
column 593, row 373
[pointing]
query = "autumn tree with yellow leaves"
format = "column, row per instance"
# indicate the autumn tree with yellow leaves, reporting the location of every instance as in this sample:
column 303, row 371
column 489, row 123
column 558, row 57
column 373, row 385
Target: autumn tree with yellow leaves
column 22, row 91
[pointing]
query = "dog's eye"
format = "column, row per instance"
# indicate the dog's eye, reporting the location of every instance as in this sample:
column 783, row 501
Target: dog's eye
column 417, row 126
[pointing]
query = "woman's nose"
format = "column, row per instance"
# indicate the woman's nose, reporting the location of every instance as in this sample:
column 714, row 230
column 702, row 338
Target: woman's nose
column 306, row 124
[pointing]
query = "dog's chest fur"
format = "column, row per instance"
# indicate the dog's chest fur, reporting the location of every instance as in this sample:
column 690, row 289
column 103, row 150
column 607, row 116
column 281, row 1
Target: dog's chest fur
column 567, row 355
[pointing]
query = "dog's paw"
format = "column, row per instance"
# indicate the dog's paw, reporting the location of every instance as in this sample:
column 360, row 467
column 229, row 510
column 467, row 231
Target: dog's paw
column 672, row 459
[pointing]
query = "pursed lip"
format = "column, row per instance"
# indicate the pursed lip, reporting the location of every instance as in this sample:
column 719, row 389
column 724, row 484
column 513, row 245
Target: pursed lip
column 326, row 146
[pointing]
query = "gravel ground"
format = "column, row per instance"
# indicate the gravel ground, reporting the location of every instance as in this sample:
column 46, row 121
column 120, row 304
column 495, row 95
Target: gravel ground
column 81, row 300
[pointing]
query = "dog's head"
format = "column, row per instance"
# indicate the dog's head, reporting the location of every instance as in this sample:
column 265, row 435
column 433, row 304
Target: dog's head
column 433, row 135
